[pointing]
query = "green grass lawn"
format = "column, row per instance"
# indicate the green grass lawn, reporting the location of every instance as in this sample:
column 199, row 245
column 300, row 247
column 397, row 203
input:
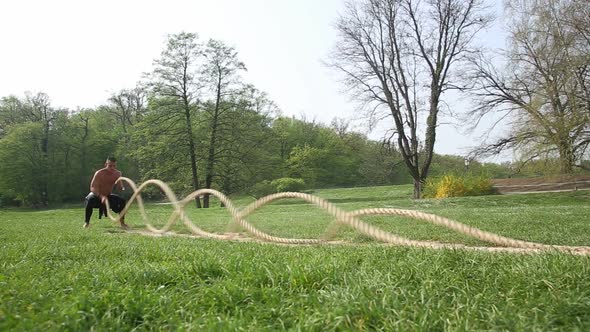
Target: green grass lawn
column 55, row 275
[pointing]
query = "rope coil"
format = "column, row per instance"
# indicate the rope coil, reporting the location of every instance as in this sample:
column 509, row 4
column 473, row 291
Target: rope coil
column 341, row 217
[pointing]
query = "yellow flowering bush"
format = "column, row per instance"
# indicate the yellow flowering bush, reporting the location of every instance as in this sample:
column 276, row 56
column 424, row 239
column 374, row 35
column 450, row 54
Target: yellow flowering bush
column 456, row 186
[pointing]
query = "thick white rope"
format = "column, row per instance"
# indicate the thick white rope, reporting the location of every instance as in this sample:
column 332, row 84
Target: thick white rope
column 341, row 218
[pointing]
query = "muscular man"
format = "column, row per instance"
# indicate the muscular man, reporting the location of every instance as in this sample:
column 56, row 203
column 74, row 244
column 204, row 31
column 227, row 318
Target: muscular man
column 101, row 188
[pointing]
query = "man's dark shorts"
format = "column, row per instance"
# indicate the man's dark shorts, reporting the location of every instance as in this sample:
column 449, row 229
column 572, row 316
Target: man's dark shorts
column 116, row 202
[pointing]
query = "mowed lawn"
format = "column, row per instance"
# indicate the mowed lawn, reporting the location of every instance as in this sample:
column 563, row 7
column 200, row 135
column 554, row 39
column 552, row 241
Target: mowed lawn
column 55, row 275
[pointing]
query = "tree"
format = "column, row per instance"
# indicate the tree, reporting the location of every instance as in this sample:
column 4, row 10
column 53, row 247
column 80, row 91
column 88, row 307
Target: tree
column 577, row 17
column 37, row 109
column 244, row 152
column 128, row 107
column 39, row 151
column 160, row 142
column 22, row 169
column 11, row 113
column 94, row 135
column 382, row 164
column 48, row 149
column 175, row 79
column 397, row 56
column 305, row 162
column 543, row 90
column 220, row 72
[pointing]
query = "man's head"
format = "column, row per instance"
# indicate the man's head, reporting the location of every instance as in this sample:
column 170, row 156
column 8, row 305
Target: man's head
column 111, row 163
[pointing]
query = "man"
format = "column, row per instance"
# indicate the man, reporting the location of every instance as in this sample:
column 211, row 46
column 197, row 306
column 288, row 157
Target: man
column 101, row 188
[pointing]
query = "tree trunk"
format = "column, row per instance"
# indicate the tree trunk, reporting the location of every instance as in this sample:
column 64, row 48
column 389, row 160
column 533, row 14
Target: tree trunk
column 431, row 124
column 210, row 159
column 226, row 189
column 213, row 140
column 191, row 144
column 45, row 164
column 417, row 189
column 566, row 158
column 84, row 180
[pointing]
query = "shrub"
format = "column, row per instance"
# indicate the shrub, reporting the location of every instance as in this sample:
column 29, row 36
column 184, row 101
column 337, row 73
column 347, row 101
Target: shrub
column 457, row 186
column 450, row 186
column 8, row 200
column 288, row 184
column 262, row 189
column 429, row 188
column 479, row 186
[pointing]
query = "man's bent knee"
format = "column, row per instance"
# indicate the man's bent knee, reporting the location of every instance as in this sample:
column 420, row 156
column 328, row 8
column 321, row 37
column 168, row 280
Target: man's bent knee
column 92, row 201
column 117, row 203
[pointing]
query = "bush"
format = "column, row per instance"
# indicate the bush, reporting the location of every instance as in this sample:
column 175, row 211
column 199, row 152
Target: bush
column 479, row 186
column 266, row 187
column 457, row 186
column 8, row 200
column 262, row 189
column 450, row 186
column 288, row 184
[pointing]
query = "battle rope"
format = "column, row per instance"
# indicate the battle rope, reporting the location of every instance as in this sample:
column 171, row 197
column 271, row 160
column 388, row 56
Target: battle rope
column 341, row 218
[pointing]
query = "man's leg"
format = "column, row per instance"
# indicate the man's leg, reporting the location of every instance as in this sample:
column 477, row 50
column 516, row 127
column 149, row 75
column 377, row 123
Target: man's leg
column 102, row 211
column 90, row 202
column 117, row 204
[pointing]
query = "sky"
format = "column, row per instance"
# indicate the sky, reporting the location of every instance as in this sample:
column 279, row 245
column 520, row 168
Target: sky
column 79, row 52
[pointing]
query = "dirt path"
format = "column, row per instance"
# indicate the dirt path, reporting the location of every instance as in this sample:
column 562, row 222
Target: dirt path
column 546, row 184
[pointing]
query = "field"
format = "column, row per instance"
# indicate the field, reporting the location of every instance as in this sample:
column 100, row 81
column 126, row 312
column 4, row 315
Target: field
column 55, row 275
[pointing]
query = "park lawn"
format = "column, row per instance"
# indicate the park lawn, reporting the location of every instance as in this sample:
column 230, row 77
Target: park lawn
column 54, row 275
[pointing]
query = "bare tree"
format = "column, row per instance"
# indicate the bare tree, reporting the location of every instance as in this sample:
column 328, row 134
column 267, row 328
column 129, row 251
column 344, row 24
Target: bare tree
column 577, row 17
column 128, row 106
column 543, row 90
column 398, row 56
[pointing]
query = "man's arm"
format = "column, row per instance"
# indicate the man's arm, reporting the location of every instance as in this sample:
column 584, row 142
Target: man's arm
column 94, row 186
column 94, row 183
column 121, row 187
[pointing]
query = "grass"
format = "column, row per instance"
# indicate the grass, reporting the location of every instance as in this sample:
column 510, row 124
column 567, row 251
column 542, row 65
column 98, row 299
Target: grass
column 54, row 275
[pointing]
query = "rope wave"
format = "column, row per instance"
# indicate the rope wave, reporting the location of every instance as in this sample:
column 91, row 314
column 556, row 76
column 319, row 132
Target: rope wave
column 341, row 218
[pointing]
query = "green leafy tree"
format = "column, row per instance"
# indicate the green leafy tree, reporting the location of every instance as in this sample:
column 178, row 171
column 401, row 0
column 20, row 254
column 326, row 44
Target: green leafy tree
column 221, row 74
column 291, row 133
column 244, row 153
column 160, row 145
column 175, row 81
column 34, row 108
column 305, row 163
column 128, row 107
column 11, row 113
column 22, row 170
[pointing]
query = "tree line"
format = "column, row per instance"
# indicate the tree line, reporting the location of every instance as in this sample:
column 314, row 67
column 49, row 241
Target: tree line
column 49, row 154
column 191, row 122
column 195, row 123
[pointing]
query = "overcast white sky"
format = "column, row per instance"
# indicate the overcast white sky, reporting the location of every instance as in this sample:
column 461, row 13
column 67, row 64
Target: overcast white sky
column 78, row 52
